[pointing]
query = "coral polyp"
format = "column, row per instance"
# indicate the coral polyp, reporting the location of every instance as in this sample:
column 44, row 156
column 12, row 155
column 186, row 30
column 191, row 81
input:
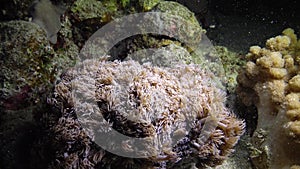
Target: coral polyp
column 177, row 112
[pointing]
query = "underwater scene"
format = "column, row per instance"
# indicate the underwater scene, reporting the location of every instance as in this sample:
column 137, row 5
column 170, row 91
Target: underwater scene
column 149, row 84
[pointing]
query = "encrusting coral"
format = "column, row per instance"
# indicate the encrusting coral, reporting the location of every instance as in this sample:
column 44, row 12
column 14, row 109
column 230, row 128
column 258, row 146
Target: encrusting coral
column 178, row 110
column 271, row 81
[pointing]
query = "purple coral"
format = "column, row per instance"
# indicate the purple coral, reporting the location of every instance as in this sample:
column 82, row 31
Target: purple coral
column 178, row 112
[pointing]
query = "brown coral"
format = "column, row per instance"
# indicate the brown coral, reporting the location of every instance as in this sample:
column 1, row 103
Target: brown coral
column 177, row 110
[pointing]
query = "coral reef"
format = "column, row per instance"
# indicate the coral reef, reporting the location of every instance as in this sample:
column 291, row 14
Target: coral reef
column 190, row 31
column 88, row 16
column 178, row 109
column 179, row 23
column 162, row 57
column 83, row 10
column 270, row 81
column 29, row 68
column 231, row 62
column 25, row 59
column 29, row 64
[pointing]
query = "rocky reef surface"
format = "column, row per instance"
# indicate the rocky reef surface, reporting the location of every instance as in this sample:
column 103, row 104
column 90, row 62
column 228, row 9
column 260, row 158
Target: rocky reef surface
column 184, row 99
column 29, row 67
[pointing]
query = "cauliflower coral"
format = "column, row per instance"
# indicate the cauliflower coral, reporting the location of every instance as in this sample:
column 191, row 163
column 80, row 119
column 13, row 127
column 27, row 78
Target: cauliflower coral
column 271, row 82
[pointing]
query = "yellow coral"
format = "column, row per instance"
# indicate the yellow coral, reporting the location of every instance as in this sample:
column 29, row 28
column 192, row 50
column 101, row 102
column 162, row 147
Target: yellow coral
column 294, row 83
column 289, row 62
column 291, row 34
column 279, row 43
column 294, row 127
column 293, row 114
column 295, row 167
column 292, row 100
column 252, row 69
column 264, row 62
column 277, row 90
column 278, row 73
column 255, row 50
column 272, row 74
column 273, row 59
